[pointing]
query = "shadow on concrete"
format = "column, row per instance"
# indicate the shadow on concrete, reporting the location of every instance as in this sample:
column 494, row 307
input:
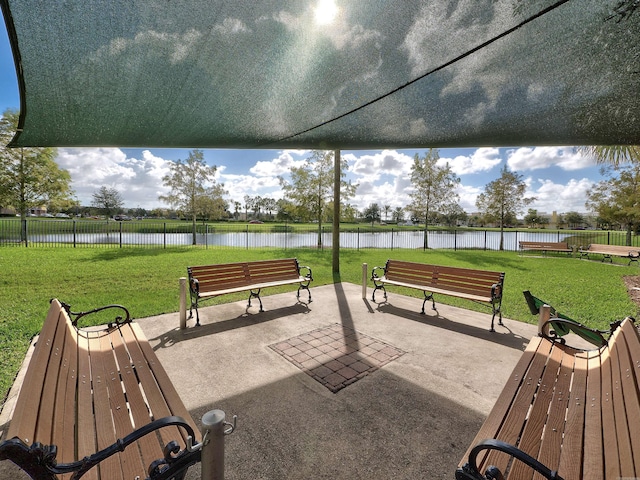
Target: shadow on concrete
column 503, row 335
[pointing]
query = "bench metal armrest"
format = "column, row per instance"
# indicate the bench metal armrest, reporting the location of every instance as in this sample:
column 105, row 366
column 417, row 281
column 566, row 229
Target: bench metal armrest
column 41, row 459
column 496, row 291
column 374, row 273
column 75, row 316
column 470, row 469
column 308, row 275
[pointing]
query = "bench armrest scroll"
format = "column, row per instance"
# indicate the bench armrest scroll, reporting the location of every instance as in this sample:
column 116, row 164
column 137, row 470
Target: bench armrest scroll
column 308, row 275
column 496, row 291
column 174, row 458
column 470, row 469
column 75, row 316
column 374, row 272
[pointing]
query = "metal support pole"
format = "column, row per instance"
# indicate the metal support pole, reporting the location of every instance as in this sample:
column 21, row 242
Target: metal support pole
column 183, row 303
column 214, row 429
column 364, row 280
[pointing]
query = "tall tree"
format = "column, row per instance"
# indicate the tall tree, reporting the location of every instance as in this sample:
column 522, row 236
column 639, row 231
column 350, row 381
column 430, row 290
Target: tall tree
column 434, row 187
column 397, row 215
column 109, row 200
column 311, row 187
column 372, row 213
column 616, row 200
column 189, row 181
column 29, row 177
column 503, row 199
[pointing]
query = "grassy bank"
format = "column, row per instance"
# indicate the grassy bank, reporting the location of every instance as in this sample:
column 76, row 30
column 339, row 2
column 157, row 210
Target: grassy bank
column 146, row 282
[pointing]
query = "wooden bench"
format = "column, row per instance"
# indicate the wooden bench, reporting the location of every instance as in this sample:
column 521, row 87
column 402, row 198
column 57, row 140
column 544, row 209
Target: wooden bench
column 564, row 413
column 209, row 281
column 477, row 285
column 97, row 402
column 609, row 251
column 545, row 247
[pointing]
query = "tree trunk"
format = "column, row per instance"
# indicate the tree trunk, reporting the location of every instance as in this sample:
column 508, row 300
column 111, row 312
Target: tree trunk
column 629, row 230
column 193, row 230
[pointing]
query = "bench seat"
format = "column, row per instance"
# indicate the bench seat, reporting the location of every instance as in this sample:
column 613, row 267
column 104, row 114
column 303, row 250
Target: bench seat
column 89, row 393
column 210, row 281
column 609, row 251
column 481, row 286
column 565, row 412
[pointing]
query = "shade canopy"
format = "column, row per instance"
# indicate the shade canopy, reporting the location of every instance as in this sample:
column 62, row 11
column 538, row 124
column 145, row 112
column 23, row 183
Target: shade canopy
column 343, row 74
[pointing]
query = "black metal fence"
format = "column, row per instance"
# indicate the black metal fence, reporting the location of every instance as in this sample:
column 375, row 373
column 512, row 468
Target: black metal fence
column 118, row 234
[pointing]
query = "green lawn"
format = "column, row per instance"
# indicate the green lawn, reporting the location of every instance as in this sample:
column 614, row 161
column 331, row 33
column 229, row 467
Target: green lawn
column 146, row 282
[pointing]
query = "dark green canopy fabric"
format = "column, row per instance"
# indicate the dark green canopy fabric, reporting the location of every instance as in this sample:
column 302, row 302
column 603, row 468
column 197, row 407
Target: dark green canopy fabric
column 326, row 74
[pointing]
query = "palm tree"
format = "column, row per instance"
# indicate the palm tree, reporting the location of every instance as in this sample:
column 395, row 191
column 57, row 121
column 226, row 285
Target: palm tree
column 614, row 155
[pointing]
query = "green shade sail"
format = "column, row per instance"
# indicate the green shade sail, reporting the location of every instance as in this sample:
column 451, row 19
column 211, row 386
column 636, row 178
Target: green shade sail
column 347, row 74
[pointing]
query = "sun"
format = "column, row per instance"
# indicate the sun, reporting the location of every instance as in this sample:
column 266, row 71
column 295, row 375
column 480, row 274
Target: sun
column 326, row 12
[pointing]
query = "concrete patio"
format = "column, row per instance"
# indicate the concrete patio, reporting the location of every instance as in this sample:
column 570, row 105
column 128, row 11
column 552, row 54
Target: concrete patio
column 411, row 416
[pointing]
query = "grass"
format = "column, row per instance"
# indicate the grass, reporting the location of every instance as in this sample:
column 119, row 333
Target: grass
column 146, row 282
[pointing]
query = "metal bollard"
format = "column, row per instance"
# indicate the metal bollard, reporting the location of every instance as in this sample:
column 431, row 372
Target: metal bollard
column 183, row 303
column 214, row 429
column 364, row 280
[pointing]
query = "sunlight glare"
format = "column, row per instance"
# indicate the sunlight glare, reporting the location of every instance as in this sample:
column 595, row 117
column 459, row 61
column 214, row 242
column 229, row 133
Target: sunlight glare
column 326, row 12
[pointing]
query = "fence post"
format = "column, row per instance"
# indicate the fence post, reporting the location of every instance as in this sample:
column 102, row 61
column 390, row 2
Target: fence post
column 212, row 458
column 164, row 234
column 75, row 231
column 392, row 239
column 516, row 243
column 183, row 303
column 206, row 237
column 455, row 239
column 485, row 240
column 608, row 238
column 25, row 232
column 247, row 236
column 358, row 240
column 120, row 234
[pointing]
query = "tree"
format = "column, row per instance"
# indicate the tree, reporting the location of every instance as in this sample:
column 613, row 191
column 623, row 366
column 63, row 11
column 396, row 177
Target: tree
column 386, row 209
column 573, row 219
column 372, row 213
column 109, row 200
column 311, row 187
column 397, row 215
column 434, row 187
column 189, row 181
column 615, row 155
column 504, row 199
column 29, row 177
column 617, row 199
column 236, row 209
column 531, row 218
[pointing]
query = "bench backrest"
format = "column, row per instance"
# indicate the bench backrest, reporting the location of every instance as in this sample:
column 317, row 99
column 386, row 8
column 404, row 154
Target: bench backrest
column 563, row 245
column 464, row 280
column 85, row 389
column 243, row 274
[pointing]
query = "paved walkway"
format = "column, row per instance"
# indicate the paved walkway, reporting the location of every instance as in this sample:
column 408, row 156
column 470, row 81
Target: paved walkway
column 341, row 387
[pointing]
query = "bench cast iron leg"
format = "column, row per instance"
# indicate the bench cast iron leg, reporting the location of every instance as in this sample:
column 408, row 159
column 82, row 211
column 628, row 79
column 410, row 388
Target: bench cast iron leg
column 378, row 287
column 306, row 287
column 428, row 297
column 256, row 295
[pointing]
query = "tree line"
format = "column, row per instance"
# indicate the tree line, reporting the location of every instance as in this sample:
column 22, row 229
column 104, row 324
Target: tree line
column 30, row 177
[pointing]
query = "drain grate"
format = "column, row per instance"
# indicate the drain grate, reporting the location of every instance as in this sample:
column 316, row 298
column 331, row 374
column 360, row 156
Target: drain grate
column 336, row 356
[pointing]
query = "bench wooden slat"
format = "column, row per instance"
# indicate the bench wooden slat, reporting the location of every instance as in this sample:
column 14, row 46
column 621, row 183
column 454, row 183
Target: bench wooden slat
column 23, row 423
column 593, row 447
column 631, row 363
column 86, row 432
column 137, row 404
column 571, row 465
column 63, row 430
column 555, row 434
column 105, row 435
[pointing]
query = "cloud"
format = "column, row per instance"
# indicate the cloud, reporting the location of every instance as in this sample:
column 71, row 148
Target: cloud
column 139, row 180
column 481, row 160
column 566, row 158
column 278, row 166
column 560, row 198
column 370, row 167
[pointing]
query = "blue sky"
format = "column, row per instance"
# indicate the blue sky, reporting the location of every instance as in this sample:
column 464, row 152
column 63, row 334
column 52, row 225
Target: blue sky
column 557, row 176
